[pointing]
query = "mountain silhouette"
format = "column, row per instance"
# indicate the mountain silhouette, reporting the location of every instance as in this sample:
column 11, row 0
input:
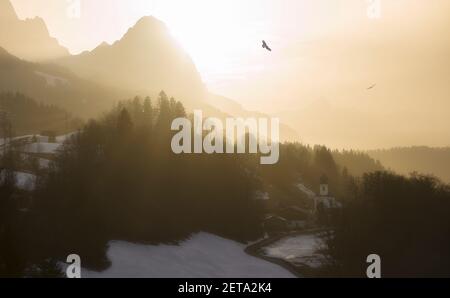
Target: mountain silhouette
column 27, row 39
column 146, row 60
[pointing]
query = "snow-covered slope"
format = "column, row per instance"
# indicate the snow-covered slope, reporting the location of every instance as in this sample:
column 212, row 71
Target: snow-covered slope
column 202, row 256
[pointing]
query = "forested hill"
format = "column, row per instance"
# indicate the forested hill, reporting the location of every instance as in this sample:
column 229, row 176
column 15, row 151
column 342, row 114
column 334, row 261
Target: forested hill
column 356, row 162
column 426, row 160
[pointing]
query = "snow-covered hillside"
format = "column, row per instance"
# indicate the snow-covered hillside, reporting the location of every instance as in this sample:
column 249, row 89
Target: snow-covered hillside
column 203, row 256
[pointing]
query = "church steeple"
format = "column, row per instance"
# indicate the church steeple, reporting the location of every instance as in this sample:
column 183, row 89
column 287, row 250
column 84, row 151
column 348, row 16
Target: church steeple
column 324, row 191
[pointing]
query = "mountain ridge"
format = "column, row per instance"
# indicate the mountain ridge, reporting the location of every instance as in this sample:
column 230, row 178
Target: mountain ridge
column 146, row 60
column 149, row 56
column 422, row 159
column 28, row 39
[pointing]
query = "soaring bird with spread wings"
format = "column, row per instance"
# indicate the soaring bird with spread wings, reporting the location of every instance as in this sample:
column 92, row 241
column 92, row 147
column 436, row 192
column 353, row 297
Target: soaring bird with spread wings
column 265, row 46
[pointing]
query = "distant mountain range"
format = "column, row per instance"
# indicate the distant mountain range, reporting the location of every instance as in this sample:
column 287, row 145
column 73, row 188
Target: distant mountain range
column 143, row 62
column 27, row 39
column 424, row 160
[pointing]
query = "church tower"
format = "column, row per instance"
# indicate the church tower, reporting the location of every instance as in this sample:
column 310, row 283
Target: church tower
column 324, row 190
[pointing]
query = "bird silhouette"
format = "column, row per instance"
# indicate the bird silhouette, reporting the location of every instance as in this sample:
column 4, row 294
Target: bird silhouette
column 371, row 87
column 265, row 46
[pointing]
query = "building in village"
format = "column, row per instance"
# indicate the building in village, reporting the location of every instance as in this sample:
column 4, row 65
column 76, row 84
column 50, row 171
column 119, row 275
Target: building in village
column 323, row 206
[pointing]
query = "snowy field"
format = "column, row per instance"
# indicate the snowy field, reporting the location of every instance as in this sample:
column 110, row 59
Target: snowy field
column 298, row 250
column 203, row 256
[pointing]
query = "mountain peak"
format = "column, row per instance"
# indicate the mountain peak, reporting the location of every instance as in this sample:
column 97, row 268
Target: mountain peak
column 147, row 59
column 7, row 10
column 149, row 22
column 103, row 45
column 147, row 26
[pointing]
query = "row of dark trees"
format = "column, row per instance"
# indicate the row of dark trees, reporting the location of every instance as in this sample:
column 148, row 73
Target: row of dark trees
column 11, row 262
column 30, row 117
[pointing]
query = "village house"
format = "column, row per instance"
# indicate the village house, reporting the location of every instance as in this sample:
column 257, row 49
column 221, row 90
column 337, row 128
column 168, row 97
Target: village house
column 293, row 217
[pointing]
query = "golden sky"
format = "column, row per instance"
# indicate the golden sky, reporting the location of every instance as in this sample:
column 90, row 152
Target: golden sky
column 326, row 54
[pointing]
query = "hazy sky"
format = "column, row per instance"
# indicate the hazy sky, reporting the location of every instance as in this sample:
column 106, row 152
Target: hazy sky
column 326, row 53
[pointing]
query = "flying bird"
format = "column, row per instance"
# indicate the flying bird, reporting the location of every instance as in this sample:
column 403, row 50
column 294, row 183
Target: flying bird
column 371, row 87
column 265, row 46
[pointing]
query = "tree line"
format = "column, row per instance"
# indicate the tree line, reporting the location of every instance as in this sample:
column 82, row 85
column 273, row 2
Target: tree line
column 118, row 179
column 405, row 220
column 27, row 116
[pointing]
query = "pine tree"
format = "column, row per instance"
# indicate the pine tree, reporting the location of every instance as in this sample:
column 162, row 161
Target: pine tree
column 137, row 110
column 124, row 123
column 164, row 117
column 179, row 110
column 148, row 112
